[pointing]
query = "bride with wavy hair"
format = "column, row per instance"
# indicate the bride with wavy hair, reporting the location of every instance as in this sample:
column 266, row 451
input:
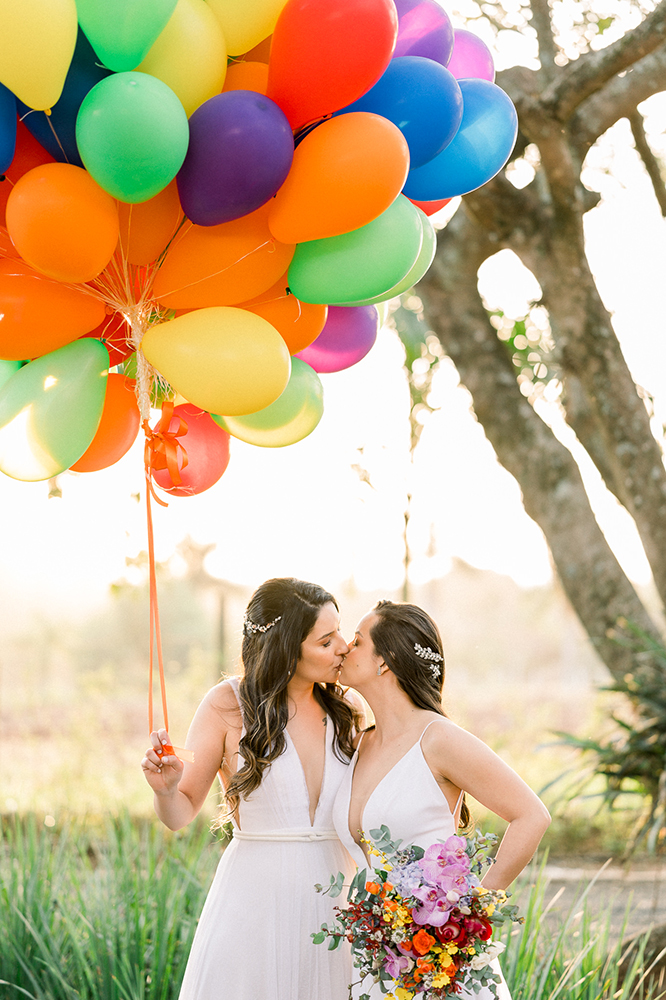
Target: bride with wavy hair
column 280, row 736
column 411, row 769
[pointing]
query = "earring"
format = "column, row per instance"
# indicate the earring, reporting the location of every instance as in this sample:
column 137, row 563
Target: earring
column 379, row 671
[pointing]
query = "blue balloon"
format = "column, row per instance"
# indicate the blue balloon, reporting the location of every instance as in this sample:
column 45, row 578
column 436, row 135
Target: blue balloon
column 7, row 127
column 57, row 132
column 422, row 98
column 481, row 147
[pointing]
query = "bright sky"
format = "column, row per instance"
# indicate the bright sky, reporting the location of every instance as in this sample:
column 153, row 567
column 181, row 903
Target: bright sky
column 303, row 510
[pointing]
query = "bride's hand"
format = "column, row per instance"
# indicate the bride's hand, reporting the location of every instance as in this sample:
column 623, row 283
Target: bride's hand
column 162, row 771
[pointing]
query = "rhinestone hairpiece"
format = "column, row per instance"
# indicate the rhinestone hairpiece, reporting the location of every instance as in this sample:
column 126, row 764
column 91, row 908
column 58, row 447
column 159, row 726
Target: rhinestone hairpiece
column 426, row 653
column 249, row 627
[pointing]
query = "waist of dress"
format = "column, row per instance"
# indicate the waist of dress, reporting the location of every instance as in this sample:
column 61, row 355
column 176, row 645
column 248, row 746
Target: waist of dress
column 304, row 835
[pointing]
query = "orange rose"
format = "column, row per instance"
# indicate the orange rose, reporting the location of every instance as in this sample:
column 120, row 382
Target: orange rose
column 422, row 942
column 372, row 887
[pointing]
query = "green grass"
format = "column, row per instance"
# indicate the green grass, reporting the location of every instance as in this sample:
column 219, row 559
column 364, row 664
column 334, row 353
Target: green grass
column 107, row 911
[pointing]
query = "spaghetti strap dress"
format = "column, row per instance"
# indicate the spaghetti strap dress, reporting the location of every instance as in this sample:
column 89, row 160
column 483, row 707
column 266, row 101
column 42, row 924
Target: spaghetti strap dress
column 253, row 938
column 409, row 801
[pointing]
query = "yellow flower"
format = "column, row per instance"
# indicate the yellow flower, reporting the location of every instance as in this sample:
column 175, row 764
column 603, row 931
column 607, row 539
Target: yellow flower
column 471, row 951
column 490, row 909
column 402, row 994
column 452, row 949
column 441, row 979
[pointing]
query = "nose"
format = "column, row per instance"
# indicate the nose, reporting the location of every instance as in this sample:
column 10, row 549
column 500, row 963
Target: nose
column 343, row 648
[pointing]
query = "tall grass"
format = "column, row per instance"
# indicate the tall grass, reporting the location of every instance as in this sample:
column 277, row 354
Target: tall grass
column 108, row 912
column 101, row 914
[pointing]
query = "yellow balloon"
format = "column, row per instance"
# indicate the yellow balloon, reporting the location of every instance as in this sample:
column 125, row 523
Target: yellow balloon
column 37, row 39
column 190, row 55
column 245, row 25
column 223, row 359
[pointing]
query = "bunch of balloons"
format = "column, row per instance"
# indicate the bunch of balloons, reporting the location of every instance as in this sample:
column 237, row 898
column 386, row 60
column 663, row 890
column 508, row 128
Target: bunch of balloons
column 203, row 201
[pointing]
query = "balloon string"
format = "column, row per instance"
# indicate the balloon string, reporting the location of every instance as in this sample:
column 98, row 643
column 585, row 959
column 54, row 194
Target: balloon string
column 155, row 632
column 55, row 136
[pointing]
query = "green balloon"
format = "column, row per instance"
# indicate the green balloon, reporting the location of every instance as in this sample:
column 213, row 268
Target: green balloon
column 364, row 263
column 122, row 31
column 50, row 410
column 132, row 135
column 423, row 262
column 292, row 416
column 7, row 369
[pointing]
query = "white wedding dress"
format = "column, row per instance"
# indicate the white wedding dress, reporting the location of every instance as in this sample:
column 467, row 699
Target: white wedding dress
column 253, row 940
column 409, row 801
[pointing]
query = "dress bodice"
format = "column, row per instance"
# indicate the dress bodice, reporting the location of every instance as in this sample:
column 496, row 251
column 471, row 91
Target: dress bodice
column 282, row 802
column 408, row 800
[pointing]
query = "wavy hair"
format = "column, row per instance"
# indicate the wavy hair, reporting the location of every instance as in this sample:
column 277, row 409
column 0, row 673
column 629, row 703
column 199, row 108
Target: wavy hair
column 399, row 628
column 269, row 658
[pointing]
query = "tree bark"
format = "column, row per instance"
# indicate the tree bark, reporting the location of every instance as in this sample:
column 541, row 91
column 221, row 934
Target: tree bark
column 552, row 488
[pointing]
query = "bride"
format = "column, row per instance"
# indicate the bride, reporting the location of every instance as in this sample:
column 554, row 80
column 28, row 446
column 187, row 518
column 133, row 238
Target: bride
column 280, row 737
column 411, row 771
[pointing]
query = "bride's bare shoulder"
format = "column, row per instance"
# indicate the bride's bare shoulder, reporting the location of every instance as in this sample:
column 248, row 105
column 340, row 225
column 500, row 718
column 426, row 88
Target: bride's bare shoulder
column 223, row 700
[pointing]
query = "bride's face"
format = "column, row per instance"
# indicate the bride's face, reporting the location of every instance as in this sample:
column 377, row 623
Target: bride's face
column 361, row 662
column 323, row 650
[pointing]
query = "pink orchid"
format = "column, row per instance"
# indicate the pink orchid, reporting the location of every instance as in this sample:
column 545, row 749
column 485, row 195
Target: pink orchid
column 395, row 964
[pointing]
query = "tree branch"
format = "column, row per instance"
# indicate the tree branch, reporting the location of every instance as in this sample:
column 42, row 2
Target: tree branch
column 591, row 71
column 649, row 159
column 617, row 100
column 542, row 26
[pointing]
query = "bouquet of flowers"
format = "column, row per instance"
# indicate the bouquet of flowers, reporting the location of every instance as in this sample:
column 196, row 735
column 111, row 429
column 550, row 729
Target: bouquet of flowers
column 422, row 924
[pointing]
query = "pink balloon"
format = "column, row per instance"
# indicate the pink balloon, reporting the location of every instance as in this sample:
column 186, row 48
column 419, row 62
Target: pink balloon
column 207, row 448
column 471, row 57
column 348, row 335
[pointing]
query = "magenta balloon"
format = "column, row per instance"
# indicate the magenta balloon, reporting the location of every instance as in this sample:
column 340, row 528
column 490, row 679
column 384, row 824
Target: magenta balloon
column 471, row 57
column 424, row 29
column 348, row 335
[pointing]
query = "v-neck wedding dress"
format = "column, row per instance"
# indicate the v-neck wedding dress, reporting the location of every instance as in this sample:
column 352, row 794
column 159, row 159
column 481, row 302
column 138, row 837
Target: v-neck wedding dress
column 253, row 940
column 409, row 801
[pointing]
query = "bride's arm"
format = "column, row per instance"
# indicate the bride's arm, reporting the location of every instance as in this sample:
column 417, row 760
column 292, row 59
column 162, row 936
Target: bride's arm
column 457, row 757
column 179, row 789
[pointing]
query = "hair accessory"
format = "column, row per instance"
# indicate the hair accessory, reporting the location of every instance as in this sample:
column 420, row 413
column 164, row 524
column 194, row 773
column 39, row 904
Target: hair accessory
column 426, row 653
column 250, row 628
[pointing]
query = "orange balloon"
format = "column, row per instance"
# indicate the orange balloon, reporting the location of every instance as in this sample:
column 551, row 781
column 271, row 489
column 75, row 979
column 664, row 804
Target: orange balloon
column 62, row 222
column 7, row 248
column 298, row 323
column 39, row 315
column 345, row 173
column 247, row 76
column 28, row 154
column 261, row 52
column 146, row 228
column 222, row 265
column 118, row 426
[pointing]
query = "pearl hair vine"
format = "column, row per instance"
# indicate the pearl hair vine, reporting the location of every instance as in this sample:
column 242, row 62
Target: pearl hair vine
column 426, row 653
column 250, row 628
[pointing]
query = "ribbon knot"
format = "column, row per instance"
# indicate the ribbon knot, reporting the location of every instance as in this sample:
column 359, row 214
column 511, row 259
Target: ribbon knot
column 162, row 448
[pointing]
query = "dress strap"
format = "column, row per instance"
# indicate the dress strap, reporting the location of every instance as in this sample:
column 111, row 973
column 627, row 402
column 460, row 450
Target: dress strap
column 426, row 729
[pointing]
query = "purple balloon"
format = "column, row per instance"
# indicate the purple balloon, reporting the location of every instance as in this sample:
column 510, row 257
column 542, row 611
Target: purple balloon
column 424, row 29
column 348, row 335
column 240, row 152
column 471, row 57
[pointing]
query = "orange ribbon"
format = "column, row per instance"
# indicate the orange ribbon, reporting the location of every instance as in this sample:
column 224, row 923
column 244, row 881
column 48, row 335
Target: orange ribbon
column 161, row 451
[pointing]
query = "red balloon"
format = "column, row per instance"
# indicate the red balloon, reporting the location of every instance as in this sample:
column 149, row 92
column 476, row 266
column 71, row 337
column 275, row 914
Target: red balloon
column 430, row 207
column 114, row 332
column 207, row 449
column 28, row 154
column 326, row 55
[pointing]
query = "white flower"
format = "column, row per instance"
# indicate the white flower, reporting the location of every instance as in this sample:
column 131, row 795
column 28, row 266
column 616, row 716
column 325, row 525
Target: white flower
column 480, row 961
column 495, row 948
column 453, row 896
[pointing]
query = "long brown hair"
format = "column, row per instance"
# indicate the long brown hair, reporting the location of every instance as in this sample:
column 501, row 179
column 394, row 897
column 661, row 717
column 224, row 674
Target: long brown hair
column 396, row 633
column 269, row 654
